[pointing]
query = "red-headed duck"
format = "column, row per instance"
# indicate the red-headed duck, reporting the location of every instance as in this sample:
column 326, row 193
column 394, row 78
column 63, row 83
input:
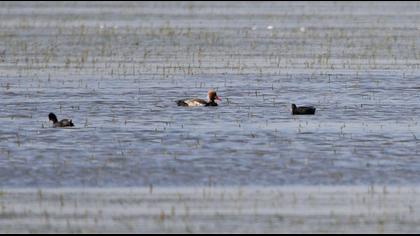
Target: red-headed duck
column 212, row 96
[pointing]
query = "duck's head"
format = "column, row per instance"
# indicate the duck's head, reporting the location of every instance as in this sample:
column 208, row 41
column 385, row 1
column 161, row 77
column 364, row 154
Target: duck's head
column 212, row 95
column 294, row 107
column 53, row 117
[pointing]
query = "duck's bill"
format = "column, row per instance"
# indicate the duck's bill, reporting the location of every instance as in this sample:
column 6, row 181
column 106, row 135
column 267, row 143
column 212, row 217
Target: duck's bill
column 219, row 99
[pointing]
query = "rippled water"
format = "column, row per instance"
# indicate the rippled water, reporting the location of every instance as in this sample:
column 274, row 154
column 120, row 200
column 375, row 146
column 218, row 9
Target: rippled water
column 117, row 68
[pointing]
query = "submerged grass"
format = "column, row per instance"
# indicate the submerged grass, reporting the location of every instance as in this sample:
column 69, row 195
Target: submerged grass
column 231, row 210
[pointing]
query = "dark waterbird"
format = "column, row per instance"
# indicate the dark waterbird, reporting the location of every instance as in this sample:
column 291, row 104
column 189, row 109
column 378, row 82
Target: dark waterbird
column 194, row 102
column 303, row 110
column 61, row 123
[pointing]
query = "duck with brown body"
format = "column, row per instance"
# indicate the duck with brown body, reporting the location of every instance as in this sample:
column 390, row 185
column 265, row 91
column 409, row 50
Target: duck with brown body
column 303, row 110
column 194, row 102
column 60, row 124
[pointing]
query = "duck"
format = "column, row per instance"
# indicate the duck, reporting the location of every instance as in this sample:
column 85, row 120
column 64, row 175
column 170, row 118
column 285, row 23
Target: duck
column 61, row 123
column 194, row 102
column 303, row 110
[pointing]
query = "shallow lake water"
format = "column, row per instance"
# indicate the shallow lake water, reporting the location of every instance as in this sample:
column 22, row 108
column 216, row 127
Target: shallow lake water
column 116, row 69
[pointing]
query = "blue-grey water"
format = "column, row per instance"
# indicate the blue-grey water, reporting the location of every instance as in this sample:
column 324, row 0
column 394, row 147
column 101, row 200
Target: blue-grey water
column 117, row 69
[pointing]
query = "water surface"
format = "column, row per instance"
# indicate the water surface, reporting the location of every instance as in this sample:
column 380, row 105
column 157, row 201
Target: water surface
column 117, row 68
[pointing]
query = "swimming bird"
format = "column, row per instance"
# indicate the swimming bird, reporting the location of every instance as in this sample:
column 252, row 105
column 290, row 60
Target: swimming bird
column 212, row 96
column 61, row 123
column 303, row 110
